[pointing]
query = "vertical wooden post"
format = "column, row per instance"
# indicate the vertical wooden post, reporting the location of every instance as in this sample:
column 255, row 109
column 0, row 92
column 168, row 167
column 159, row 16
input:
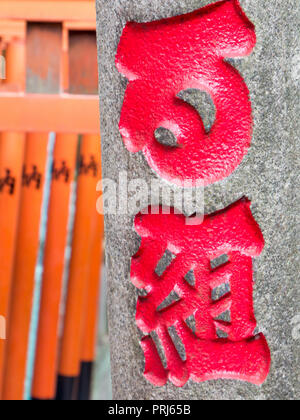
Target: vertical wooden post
column 24, row 266
column 69, row 366
column 44, row 380
column 11, row 163
column 92, row 295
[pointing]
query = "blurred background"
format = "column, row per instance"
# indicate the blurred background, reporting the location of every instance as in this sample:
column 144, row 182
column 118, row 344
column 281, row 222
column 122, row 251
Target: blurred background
column 53, row 327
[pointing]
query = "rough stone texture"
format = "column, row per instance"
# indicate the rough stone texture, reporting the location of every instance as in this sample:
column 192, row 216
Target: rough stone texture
column 268, row 176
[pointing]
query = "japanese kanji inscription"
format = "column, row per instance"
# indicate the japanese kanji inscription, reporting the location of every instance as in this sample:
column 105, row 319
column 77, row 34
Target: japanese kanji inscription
column 224, row 343
column 178, row 266
column 162, row 59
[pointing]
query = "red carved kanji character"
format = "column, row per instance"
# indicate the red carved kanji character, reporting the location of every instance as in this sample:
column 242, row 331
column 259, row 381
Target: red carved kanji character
column 160, row 60
column 183, row 261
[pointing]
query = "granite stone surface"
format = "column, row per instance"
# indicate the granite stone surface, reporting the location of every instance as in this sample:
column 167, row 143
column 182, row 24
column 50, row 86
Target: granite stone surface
column 268, row 176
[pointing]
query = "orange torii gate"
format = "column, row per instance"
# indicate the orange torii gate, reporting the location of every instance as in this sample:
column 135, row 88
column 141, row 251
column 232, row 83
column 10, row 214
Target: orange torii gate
column 57, row 44
column 61, row 112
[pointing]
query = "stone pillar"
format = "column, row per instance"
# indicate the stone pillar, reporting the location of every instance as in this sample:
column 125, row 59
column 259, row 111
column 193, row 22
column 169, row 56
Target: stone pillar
column 267, row 176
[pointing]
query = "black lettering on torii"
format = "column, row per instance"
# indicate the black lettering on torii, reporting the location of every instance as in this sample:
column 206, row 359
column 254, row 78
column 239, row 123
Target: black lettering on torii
column 34, row 176
column 62, row 172
column 85, row 169
column 8, row 181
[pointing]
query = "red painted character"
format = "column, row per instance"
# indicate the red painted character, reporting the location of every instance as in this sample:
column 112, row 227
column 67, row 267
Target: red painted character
column 160, row 60
column 183, row 261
